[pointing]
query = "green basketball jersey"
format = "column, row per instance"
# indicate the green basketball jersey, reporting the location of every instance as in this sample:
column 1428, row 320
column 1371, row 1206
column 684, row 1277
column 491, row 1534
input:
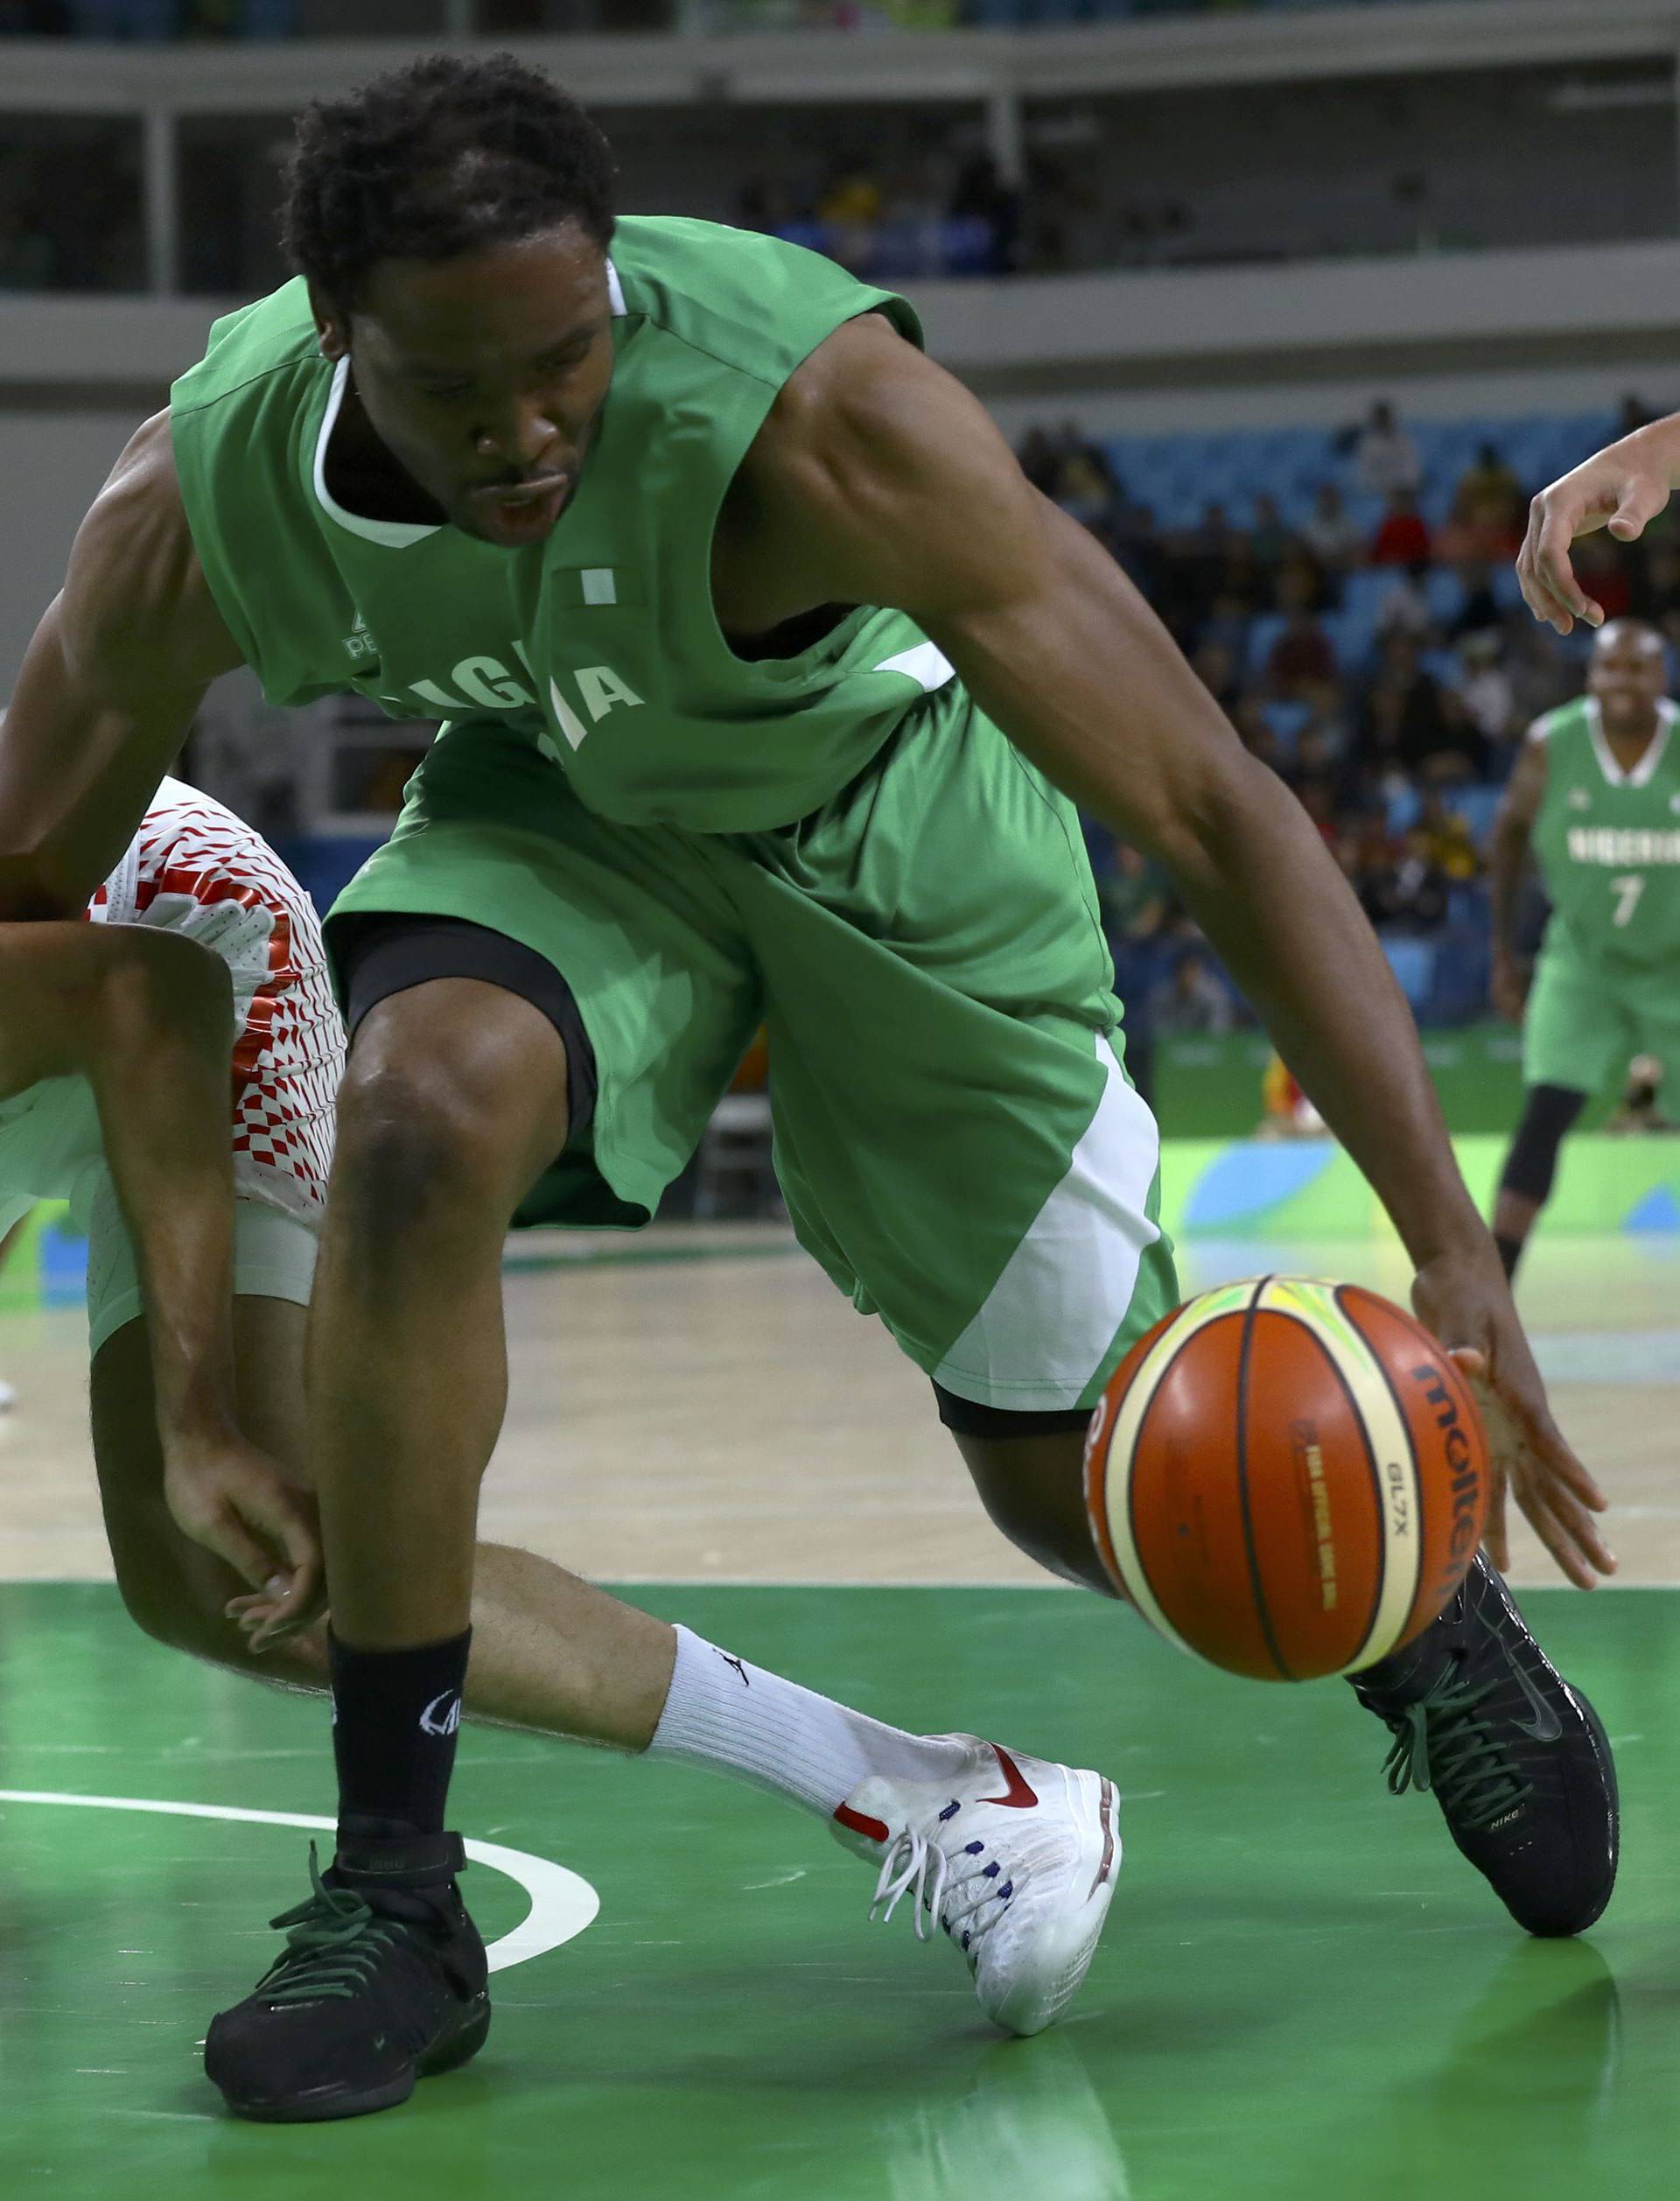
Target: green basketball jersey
column 1608, row 842
column 600, row 644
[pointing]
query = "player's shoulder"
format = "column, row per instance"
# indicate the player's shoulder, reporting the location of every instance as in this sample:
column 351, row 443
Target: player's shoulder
column 755, row 303
column 1556, row 725
column 272, row 335
column 135, row 613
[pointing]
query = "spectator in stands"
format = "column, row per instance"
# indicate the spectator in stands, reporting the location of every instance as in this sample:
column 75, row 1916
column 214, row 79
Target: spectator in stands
column 1404, row 608
column 1217, row 667
column 1364, row 849
column 1410, row 724
column 1385, row 455
column 1193, row 998
column 848, row 206
column 1602, row 569
column 1302, row 660
column 1485, row 691
column 1135, row 899
column 1479, row 613
column 1041, row 461
column 1656, row 587
column 1402, row 539
column 768, row 203
column 1489, row 511
column 1133, row 537
column 981, row 193
column 1269, row 542
column 1410, row 894
column 1633, row 415
column 1446, row 838
column 1330, row 531
column 1086, row 488
column 1316, row 792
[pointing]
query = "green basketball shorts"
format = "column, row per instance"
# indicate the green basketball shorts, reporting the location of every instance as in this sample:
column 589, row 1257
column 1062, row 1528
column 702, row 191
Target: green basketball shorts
column 956, row 1136
column 1587, row 1020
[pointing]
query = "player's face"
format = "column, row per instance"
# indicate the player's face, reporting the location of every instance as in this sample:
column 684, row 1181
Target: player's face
column 1628, row 675
column 484, row 376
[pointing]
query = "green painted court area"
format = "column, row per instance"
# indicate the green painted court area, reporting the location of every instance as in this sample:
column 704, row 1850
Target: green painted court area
column 1302, row 1990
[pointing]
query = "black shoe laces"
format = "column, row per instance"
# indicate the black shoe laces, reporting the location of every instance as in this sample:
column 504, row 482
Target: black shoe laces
column 1443, row 1742
column 333, row 1946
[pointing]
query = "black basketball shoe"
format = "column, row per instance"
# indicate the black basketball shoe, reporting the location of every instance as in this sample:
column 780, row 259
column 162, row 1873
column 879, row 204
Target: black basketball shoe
column 1518, row 1760
column 382, row 1981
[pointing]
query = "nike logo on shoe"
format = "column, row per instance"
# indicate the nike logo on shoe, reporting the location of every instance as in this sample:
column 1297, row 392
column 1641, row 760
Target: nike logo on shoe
column 1545, row 1727
column 1019, row 1793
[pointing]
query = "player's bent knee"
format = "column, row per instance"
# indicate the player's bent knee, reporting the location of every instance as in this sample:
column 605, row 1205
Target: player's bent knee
column 415, row 1140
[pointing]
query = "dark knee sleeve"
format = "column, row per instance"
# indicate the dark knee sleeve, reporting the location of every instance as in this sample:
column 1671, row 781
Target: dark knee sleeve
column 966, row 1418
column 379, row 954
column 1547, row 1113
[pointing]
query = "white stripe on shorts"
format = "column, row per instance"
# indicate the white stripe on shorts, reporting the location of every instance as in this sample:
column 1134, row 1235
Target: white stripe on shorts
column 1052, row 1314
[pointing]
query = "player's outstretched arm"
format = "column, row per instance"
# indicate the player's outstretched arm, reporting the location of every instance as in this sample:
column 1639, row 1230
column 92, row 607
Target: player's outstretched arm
column 1513, row 831
column 147, row 1018
column 1622, row 487
column 881, row 480
column 108, row 688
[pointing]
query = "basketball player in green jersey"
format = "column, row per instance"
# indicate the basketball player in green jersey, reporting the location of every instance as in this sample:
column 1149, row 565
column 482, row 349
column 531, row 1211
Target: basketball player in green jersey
column 767, row 681
column 1596, row 795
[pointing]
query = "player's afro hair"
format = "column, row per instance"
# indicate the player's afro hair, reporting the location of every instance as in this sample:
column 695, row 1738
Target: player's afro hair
column 448, row 154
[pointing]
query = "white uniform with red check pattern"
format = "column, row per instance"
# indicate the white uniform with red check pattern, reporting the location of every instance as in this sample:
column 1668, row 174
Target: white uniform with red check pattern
column 195, row 868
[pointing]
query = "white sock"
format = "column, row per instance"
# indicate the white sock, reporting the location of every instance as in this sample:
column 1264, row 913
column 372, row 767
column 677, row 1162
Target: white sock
column 731, row 1715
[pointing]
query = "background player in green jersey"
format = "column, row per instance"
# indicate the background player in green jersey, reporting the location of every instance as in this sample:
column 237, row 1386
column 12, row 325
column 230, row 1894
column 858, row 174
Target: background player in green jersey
column 1596, row 795
column 770, row 679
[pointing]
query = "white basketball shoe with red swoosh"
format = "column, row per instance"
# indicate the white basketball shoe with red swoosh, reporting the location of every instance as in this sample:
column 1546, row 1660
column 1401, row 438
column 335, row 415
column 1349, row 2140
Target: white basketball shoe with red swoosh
column 1016, row 1858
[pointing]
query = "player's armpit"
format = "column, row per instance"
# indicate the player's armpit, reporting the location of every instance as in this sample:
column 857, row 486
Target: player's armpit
column 108, row 689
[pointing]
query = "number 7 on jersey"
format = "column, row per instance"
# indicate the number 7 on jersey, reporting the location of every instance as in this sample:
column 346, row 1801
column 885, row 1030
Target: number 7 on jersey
column 1627, row 890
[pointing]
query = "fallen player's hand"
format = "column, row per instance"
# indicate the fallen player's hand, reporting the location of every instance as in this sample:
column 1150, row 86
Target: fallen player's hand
column 1464, row 1300
column 1621, row 488
column 233, row 1500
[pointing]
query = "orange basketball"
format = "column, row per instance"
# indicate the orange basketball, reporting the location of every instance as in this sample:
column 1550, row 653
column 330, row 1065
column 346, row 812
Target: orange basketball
column 1287, row 1477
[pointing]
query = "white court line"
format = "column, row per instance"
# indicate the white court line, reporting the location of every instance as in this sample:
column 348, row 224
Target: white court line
column 562, row 1902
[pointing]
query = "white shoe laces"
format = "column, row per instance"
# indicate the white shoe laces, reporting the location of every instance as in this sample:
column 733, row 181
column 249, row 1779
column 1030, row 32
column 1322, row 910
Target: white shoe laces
column 915, row 1867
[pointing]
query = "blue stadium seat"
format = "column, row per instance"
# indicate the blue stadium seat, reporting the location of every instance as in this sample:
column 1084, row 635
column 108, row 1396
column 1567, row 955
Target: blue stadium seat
column 1353, row 636
column 1402, row 808
column 1367, row 590
column 1263, row 637
column 1288, row 721
column 1443, row 590
column 1412, row 962
column 1476, row 806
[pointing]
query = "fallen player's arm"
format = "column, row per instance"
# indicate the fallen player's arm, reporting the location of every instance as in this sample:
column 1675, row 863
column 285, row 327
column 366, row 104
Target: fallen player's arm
column 886, row 482
column 108, row 688
column 146, row 1017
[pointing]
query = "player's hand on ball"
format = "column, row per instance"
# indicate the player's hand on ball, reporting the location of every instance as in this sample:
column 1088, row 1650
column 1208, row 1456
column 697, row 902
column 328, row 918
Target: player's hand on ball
column 1620, row 488
column 1467, row 1302
column 233, row 1500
